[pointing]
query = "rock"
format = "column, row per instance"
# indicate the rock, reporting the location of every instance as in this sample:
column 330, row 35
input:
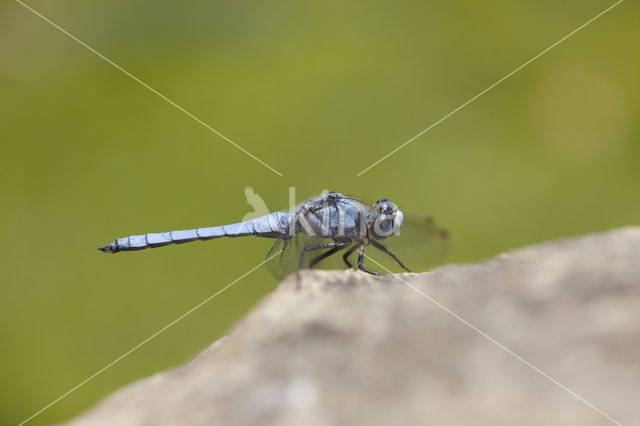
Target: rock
column 345, row 348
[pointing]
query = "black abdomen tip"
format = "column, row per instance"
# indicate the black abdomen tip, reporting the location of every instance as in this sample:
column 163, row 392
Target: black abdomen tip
column 109, row 248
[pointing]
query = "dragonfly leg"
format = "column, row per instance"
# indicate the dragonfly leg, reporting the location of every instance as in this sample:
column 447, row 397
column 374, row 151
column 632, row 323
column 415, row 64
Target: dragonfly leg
column 315, row 247
column 345, row 256
column 361, row 262
column 386, row 250
column 328, row 253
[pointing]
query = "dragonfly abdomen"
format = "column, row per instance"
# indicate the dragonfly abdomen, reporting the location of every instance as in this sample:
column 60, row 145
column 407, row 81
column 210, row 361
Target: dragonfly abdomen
column 273, row 225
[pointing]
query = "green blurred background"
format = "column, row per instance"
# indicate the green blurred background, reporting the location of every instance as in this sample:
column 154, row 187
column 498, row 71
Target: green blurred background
column 317, row 90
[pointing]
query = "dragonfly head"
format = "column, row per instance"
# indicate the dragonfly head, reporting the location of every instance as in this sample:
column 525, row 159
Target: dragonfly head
column 387, row 221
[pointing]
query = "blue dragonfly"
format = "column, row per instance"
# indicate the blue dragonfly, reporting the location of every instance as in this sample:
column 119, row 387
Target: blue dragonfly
column 319, row 228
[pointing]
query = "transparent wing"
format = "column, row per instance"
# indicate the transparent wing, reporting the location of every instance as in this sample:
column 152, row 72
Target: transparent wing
column 420, row 246
column 276, row 260
column 284, row 256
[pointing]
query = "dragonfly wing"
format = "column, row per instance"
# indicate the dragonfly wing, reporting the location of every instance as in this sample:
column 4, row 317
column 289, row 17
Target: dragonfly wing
column 275, row 261
column 284, row 257
column 420, row 245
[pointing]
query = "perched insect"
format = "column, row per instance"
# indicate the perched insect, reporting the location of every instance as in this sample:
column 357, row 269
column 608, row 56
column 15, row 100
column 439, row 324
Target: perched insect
column 331, row 222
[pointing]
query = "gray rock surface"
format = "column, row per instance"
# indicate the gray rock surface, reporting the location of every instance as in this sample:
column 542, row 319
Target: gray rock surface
column 344, row 348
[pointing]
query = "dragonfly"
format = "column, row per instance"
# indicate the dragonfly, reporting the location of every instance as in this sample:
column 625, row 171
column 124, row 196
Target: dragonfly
column 316, row 230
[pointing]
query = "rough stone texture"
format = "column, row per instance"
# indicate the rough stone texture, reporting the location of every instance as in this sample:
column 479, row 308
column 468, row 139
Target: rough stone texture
column 344, row 348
